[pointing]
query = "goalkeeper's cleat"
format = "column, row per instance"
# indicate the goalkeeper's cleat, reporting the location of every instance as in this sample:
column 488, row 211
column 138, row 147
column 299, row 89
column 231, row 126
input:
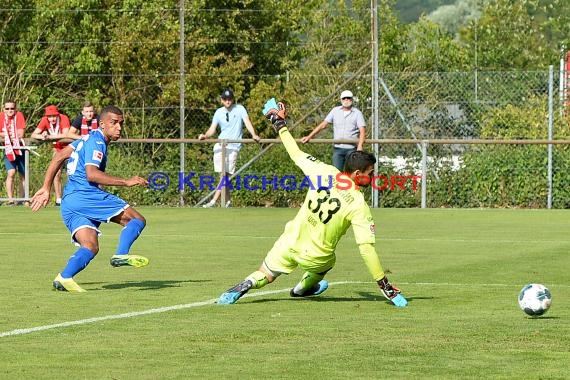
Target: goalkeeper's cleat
column 66, row 285
column 314, row 291
column 392, row 293
column 275, row 112
column 128, row 260
column 235, row 293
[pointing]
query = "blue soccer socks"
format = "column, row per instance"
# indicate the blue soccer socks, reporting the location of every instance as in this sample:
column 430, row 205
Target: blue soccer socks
column 129, row 234
column 77, row 262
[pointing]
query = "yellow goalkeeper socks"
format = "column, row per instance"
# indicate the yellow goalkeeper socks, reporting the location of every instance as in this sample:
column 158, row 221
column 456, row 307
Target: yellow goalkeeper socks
column 308, row 281
column 258, row 279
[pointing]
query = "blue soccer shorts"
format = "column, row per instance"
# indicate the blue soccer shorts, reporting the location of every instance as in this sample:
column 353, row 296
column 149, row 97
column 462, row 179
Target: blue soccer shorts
column 88, row 209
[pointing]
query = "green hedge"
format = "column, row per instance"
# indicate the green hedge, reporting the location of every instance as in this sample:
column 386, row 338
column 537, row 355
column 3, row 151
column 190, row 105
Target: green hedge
column 490, row 176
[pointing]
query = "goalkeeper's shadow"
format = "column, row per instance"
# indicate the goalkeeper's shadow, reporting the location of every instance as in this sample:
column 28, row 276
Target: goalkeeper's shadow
column 376, row 297
column 362, row 296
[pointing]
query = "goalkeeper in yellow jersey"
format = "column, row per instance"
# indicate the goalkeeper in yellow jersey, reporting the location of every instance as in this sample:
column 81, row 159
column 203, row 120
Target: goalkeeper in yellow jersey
column 310, row 239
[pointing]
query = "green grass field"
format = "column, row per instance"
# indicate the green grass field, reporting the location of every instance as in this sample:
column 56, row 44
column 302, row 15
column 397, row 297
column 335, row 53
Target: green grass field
column 460, row 269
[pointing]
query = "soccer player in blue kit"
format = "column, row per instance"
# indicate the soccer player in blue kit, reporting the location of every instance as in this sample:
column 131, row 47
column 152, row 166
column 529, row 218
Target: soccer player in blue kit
column 85, row 205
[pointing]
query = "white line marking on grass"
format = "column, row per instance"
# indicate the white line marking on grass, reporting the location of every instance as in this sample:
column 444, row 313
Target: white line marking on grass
column 140, row 313
column 211, row 302
column 105, row 318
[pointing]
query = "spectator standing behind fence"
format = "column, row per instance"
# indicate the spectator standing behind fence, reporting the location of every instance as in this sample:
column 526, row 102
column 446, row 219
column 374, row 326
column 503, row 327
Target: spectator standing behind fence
column 348, row 124
column 12, row 128
column 231, row 118
column 86, row 121
column 54, row 126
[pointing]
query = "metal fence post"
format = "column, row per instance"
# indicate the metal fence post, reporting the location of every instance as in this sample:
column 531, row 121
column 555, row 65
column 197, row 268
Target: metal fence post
column 27, row 174
column 182, row 106
column 223, row 174
column 424, row 173
column 550, row 119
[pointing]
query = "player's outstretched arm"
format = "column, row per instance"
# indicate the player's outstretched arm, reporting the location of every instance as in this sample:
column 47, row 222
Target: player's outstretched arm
column 370, row 257
column 101, row 178
column 137, row 181
column 41, row 197
column 276, row 112
column 291, row 145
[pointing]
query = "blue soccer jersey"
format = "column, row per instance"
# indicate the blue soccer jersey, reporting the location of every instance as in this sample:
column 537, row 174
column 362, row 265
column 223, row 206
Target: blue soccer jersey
column 89, row 150
column 85, row 204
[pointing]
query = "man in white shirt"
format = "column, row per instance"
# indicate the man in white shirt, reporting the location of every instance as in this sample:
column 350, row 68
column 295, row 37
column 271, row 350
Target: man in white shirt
column 231, row 118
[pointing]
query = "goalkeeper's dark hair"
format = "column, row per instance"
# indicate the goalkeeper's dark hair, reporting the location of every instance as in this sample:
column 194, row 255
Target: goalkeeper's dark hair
column 358, row 160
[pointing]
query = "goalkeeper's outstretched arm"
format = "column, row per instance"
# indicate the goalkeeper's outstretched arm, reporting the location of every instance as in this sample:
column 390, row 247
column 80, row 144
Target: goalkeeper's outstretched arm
column 291, row 145
column 275, row 112
column 370, row 257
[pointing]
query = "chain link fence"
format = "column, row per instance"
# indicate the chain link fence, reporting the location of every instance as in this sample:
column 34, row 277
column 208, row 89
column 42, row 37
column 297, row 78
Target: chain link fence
column 416, row 106
column 412, row 105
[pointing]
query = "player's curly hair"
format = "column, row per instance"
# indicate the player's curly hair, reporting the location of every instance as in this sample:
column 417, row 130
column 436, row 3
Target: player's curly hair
column 358, row 160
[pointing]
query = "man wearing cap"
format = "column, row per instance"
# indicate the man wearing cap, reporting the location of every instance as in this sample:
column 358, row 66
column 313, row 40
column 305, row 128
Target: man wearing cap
column 348, row 124
column 53, row 126
column 12, row 127
column 231, row 118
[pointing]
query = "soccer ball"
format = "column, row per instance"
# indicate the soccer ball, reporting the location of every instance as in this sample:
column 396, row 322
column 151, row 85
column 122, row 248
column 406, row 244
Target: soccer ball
column 535, row 299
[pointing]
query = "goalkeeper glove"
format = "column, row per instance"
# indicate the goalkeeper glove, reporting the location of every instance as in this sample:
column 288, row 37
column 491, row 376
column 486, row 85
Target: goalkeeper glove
column 392, row 293
column 275, row 112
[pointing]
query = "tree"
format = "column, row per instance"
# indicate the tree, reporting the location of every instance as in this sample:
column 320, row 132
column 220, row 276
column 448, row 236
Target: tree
column 513, row 35
column 454, row 16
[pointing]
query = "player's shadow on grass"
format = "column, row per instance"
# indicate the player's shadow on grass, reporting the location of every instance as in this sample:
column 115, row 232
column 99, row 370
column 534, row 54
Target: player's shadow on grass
column 148, row 285
column 362, row 296
column 380, row 297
